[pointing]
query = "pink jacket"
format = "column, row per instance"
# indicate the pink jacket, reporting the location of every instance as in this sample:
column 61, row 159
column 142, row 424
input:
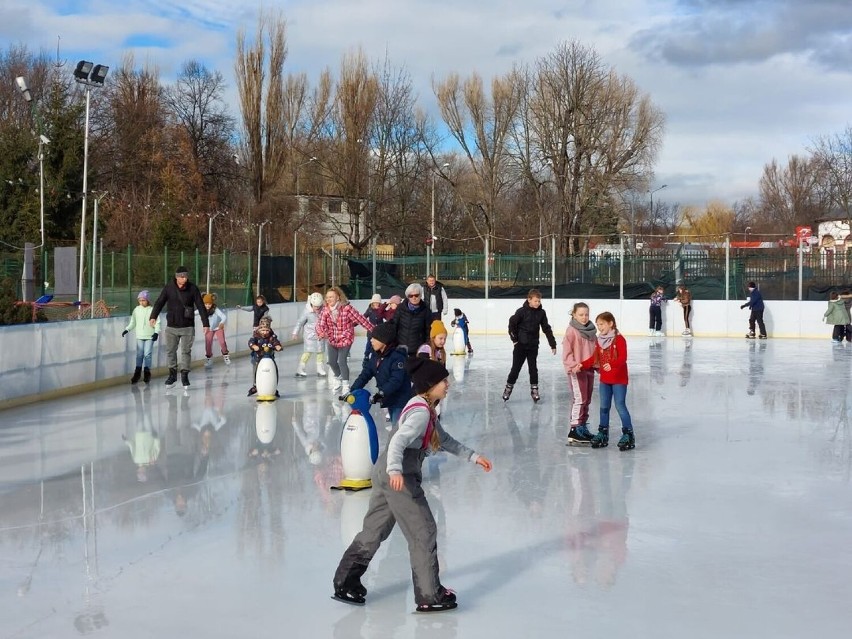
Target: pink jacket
column 340, row 331
column 575, row 349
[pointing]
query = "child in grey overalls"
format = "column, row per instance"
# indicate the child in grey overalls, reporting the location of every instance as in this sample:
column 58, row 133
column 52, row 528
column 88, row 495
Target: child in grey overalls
column 398, row 496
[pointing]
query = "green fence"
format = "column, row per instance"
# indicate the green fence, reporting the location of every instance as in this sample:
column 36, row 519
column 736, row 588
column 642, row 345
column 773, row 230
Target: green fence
column 603, row 272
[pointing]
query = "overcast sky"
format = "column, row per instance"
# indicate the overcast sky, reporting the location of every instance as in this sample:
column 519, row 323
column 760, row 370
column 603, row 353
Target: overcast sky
column 740, row 81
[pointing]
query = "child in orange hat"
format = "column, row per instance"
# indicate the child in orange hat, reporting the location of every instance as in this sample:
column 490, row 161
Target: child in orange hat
column 434, row 348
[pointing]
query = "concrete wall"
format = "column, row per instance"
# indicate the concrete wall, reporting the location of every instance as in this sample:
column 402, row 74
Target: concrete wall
column 47, row 360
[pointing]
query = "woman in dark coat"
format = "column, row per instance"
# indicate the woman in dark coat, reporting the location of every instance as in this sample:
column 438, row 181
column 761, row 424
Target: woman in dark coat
column 412, row 320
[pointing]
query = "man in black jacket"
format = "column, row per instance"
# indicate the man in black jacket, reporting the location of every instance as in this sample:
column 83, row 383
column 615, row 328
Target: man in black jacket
column 412, row 320
column 524, row 327
column 181, row 298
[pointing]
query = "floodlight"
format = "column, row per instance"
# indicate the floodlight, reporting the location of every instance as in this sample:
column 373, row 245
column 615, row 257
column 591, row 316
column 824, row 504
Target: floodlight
column 84, row 68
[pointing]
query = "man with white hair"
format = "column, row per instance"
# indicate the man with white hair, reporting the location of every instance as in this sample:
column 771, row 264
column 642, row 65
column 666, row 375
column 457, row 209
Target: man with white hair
column 412, row 320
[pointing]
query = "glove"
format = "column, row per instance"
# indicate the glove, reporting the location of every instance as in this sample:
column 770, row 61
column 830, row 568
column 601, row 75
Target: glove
column 154, row 337
column 378, row 398
column 124, row 332
column 743, row 305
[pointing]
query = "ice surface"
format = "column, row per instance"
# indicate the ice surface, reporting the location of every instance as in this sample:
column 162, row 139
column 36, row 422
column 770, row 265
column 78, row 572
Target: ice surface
column 731, row 518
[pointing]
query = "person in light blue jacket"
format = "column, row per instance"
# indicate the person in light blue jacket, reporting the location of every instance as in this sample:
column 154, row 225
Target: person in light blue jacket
column 146, row 335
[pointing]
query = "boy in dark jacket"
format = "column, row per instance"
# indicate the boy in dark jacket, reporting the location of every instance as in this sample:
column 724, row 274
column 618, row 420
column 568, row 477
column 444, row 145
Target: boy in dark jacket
column 755, row 304
column 524, row 327
column 387, row 364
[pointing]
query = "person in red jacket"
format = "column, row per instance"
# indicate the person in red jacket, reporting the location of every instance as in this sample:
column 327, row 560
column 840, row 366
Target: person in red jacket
column 610, row 358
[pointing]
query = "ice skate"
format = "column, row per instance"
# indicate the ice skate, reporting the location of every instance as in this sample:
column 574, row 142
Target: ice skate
column 764, row 337
column 579, row 436
column 252, row 391
column 321, row 372
column 534, row 393
column 171, row 380
column 627, row 441
column 507, row 392
column 659, row 334
column 347, row 595
column 601, row 438
column 208, row 362
column 146, row 375
column 687, row 332
column 300, row 370
column 750, row 335
column 184, row 379
column 447, row 601
column 137, row 374
column 651, row 332
column 227, row 358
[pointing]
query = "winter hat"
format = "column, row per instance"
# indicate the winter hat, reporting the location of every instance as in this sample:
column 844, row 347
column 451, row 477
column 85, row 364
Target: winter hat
column 414, row 289
column 376, row 299
column 207, row 298
column 425, row 373
column 457, row 312
column 395, row 299
column 265, row 321
column 437, row 328
column 143, row 295
column 315, row 299
column 752, row 285
column 181, row 271
column 385, row 333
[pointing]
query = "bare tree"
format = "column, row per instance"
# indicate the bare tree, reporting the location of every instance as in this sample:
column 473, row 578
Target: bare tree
column 481, row 125
column 793, row 194
column 590, row 131
column 834, row 156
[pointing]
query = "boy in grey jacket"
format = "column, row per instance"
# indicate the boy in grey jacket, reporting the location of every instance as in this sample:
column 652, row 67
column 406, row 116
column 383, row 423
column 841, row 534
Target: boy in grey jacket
column 399, row 498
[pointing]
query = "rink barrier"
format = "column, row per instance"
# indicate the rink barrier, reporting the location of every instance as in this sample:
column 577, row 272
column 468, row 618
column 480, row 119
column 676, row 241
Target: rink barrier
column 43, row 361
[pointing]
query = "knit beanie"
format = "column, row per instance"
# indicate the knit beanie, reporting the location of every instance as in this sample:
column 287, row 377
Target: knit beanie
column 181, row 271
column 437, row 328
column 376, row 299
column 207, row 298
column 385, row 333
column 143, row 295
column 395, row 299
column 425, row 373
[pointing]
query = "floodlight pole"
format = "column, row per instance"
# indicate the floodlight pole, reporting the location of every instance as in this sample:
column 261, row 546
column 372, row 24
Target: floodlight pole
column 85, row 193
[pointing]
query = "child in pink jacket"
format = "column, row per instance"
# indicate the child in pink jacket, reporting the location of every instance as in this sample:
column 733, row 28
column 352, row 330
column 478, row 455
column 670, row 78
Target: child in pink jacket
column 579, row 345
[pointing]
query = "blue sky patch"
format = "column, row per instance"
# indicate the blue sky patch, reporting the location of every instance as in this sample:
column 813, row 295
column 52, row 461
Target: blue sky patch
column 147, row 40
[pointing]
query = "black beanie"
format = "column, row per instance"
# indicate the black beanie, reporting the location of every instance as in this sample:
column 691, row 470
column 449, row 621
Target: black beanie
column 425, row 373
column 385, row 333
column 181, row 270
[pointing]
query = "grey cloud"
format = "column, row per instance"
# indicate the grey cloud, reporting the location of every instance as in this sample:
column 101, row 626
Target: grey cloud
column 734, row 31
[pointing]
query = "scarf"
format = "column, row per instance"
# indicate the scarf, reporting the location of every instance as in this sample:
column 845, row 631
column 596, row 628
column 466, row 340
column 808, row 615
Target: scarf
column 587, row 330
column 413, row 307
column 605, row 340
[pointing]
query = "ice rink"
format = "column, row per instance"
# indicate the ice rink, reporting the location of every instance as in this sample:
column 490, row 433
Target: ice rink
column 731, row 518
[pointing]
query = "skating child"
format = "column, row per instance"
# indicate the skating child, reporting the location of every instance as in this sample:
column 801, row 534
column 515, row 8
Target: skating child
column 578, row 345
column 610, row 358
column 434, row 348
column 312, row 344
column 838, row 316
column 217, row 330
column 337, row 325
column 146, row 335
column 655, row 326
column 387, row 365
column 391, row 306
column 684, row 298
column 460, row 320
column 376, row 314
column 398, row 496
column 755, row 304
column 259, row 308
column 524, row 327
column 262, row 337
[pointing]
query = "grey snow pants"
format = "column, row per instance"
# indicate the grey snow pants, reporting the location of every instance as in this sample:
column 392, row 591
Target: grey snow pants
column 411, row 511
column 183, row 337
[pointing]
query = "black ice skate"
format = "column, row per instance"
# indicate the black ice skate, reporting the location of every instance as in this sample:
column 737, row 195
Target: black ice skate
column 137, row 374
column 579, row 436
column 171, row 380
column 507, row 392
column 184, row 379
column 627, row 441
column 534, row 392
column 447, row 601
column 348, row 595
column 764, row 337
column 146, row 375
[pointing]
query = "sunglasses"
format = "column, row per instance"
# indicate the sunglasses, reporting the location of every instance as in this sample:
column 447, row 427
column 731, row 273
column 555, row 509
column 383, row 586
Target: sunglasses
column 413, row 295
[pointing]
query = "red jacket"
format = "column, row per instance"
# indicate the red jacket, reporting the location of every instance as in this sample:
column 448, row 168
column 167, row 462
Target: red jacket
column 615, row 356
column 339, row 330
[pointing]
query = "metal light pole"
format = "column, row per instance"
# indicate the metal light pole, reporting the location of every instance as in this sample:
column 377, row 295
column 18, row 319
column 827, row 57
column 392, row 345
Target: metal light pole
column 95, row 248
column 210, row 219
column 42, row 140
column 651, row 193
column 259, row 238
column 90, row 75
column 430, row 247
column 747, row 231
